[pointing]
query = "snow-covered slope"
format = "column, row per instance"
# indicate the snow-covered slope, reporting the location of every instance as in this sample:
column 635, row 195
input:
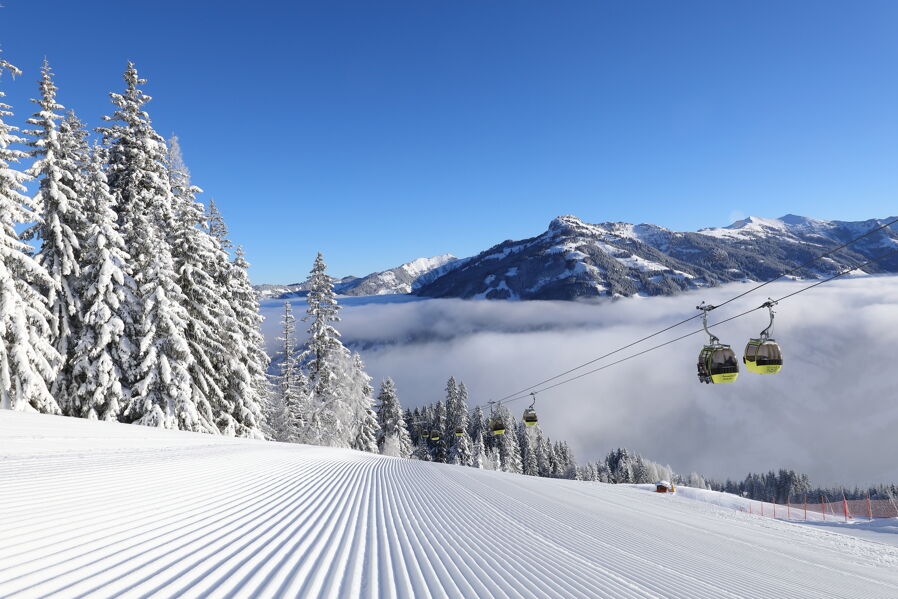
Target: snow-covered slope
column 95, row 509
column 400, row 280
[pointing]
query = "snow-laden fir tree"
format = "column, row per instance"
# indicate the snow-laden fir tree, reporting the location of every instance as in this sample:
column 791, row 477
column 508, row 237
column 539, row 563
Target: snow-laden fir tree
column 509, row 451
column 161, row 391
column 438, row 423
column 460, row 451
column 325, row 359
column 411, row 423
column 196, row 256
column 566, row 465
column 527, row 444
column 287, row 400
column 392, row 436
column 363, row 421
column 28, row 361
column 420, row 427
column 102, row 351
column 216, row 227
column 543, row 449
column 60, row 228
column 244, row 364
column 477, row 431
column 247, row 387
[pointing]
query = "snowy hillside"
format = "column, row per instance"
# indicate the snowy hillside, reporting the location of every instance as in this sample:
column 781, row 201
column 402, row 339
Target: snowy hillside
column 574, row 259
column 403, row 279
column 96, row 509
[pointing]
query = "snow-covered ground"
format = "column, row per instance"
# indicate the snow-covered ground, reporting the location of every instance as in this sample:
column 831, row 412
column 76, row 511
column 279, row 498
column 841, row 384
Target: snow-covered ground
column 97, row 509
column 881, row 530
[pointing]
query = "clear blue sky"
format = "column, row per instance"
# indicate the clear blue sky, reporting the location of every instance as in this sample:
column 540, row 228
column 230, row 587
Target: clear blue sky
column 380, row 131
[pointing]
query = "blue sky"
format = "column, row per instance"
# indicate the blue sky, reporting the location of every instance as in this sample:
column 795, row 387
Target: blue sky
column 378, row 132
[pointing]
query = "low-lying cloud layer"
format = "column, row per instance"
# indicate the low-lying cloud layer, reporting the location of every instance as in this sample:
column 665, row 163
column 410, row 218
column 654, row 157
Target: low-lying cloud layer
column 832, row 412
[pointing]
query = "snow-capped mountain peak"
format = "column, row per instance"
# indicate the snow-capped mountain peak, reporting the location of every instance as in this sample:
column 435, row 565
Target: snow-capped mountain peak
column 421, row 266
column 574, row 259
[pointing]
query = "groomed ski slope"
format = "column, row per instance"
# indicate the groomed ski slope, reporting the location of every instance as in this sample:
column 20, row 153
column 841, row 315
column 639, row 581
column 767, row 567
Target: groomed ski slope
column 95, row 509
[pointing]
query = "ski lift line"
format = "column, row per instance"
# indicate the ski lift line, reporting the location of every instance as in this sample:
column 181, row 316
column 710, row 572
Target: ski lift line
column 691, row 318
column 697, row 331
column 602, row 357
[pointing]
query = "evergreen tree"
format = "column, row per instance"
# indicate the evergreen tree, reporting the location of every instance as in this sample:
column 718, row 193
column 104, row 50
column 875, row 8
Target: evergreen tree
column 102, row 352
column 244, row 364
column 413, row 422
column 529, row 462
column 363, row 421
column 194, row 252
column 28, row 361
column 392, row 436
column 286, row 406
column 216, row 227
column 438, row 448
column 509, row 451
column 160, row 381
column 60, row 228
column 542, row 449
column 323, row 358
column 246, row 391
column 460, row 451
column 477, row 431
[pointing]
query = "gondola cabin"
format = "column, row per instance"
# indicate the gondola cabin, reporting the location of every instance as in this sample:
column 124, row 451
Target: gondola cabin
column 459, row 432
column 434, row 435
column 530, row 418
column 717, row 364
column 763, row 356
column 497, row 426
column 662, row 486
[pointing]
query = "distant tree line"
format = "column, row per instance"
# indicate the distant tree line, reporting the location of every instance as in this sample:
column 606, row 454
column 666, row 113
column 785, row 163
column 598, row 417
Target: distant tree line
column 789, row 485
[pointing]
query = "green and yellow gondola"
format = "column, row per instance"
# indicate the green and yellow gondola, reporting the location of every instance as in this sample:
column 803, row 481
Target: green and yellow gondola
column 763, row 354
column 529, row 416
column 716, row 361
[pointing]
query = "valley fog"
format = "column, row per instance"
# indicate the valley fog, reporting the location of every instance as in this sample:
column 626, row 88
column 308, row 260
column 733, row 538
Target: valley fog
column 831, row 412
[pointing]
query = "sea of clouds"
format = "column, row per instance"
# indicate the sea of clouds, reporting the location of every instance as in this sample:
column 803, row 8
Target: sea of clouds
column 832, row 412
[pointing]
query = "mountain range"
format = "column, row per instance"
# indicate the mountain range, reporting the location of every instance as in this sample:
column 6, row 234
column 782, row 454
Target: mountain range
column 573, row 259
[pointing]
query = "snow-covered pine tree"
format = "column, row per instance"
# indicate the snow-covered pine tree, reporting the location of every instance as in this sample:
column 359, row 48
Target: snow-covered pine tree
column 245, row 362
column 197, row 257
column 542, row 449
column 460, row 451
column 392, row 436
column 60, row 228
column 102, row 351
column 28, row 361
column 438, row 448
column 216, row 226
column 412, row 421
column 246, row 389
column 476, row 432
column 284, row 409
column 509, row 451
column 529, row 463
column 566, row 462
column 363, row 422
column 324, row 360
column 160, row 382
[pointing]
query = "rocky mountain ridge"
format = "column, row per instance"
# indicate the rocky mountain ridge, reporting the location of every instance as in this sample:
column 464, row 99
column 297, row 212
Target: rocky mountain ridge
column 573, row 259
